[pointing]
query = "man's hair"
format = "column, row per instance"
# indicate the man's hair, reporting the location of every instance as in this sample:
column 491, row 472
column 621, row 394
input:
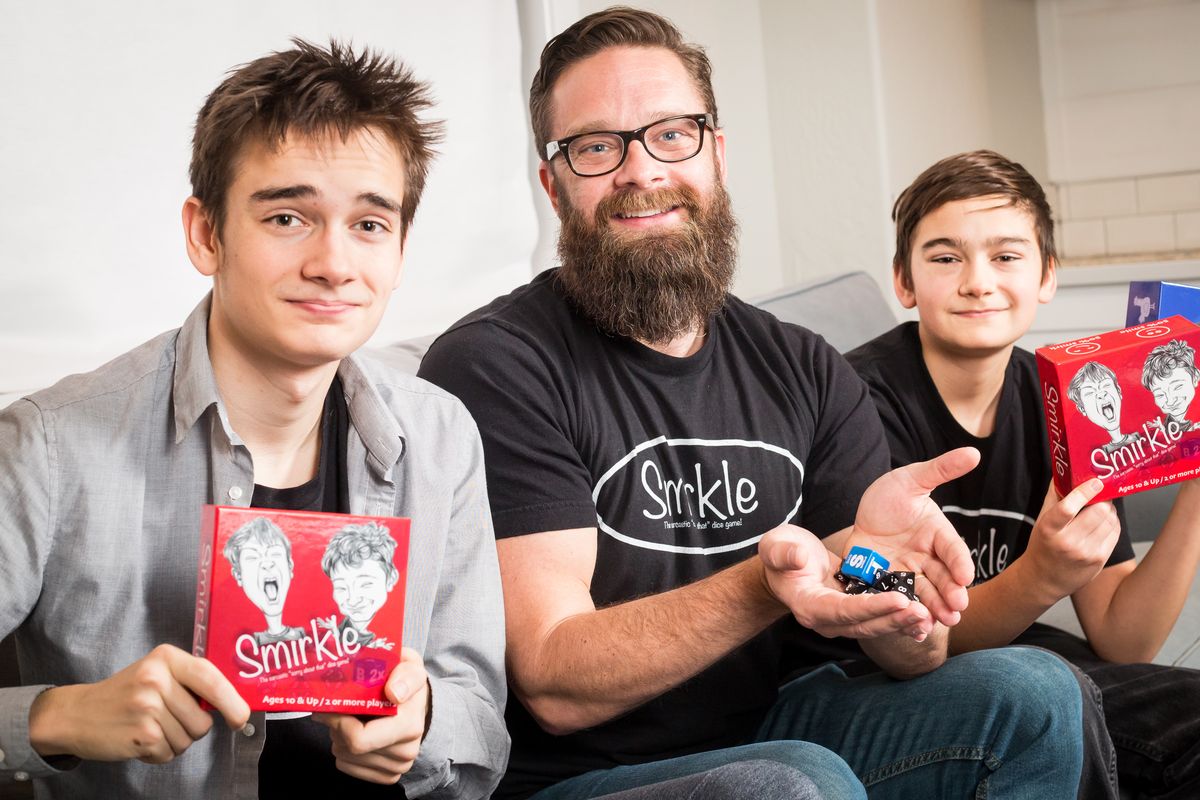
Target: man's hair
column 618, row 26
column 355, row 544
column 1166, row 358
column 1092, row 371
column 312, row 92
column 980, row 173
column 261, row 530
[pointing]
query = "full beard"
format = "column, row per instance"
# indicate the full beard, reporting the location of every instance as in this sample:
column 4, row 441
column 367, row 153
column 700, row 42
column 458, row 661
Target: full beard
column 651, row 287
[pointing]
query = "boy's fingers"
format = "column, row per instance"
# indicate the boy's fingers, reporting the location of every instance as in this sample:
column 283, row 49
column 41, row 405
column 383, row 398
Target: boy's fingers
column 182, row 705
column 200, row 676
column 1080, row 496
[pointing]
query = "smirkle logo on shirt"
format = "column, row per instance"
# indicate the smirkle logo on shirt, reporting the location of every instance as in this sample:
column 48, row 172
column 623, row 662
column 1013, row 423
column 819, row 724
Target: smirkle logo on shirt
column 990, row 533
column 698, row 496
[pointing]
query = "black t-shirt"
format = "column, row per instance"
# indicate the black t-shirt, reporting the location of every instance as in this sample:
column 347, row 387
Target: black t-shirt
column 681, row 463
column 994, row 506
column 296, row 760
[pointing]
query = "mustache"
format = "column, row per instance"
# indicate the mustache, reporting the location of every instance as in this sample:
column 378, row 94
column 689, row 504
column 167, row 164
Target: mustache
column 633, row 201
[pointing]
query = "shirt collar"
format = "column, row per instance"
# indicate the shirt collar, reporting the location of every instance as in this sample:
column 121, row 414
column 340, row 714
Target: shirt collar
column 196, row 390
column 195, row 386
column 377, row 426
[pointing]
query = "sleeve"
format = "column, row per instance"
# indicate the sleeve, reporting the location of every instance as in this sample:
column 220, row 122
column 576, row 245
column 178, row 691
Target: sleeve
column 849, row 451
column 466, row 746
column 25, row 541
column 537, row 480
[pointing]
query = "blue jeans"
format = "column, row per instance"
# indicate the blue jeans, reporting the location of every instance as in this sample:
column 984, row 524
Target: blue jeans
column 993, row 724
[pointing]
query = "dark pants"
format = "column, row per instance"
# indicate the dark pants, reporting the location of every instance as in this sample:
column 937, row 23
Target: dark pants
column 1152, row 712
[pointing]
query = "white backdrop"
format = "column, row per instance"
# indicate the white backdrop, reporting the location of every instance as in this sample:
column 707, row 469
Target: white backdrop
column 98, row 103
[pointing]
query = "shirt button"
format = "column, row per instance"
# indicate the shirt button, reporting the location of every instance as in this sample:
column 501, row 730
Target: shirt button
column 235, row 493
column 248, row 730
column 21, row 776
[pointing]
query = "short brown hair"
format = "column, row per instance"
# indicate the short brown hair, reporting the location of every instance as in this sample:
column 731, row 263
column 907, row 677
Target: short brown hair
column 980, row 173
column 613, row 27
column 312, row 91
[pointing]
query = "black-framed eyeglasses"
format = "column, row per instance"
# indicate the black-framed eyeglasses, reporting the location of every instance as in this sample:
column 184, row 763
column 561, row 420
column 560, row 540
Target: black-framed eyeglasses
column 601, row 152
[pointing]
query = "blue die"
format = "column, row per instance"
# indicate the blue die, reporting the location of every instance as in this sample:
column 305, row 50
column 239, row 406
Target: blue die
column 863, row 563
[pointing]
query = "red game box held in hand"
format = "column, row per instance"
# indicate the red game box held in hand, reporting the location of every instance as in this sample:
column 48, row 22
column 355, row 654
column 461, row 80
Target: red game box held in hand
column 302, row 611
column 1119, row 407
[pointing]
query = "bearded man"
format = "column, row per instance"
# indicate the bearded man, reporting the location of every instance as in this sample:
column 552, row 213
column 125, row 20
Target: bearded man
column 653, row 444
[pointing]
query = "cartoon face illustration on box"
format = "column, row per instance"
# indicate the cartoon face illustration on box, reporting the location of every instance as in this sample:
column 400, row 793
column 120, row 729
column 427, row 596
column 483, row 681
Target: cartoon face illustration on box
column 358, row 561
column 1096, row 393
column 1171, row 375
column 260, row 556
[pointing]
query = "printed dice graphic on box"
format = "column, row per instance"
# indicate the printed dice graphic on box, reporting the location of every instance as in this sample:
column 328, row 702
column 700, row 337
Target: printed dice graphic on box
column 1119, row 407
column 302, row 611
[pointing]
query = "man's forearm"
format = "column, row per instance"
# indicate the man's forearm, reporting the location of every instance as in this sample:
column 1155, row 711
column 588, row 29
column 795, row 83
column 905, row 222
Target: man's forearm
column 596, row 665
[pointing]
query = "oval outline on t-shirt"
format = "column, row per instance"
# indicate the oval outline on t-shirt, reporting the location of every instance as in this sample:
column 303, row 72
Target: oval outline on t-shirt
column 671, row 548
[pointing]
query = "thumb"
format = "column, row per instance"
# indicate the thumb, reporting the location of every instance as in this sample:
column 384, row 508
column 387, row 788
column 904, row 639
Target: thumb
column 928, row 475
column 407, row 678
column 1070, row 506
column 783, row 549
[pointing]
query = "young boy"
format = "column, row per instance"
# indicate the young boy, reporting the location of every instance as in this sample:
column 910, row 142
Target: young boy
column 975, row 256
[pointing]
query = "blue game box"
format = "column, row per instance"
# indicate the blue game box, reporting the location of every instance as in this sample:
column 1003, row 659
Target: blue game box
column 1154, row 300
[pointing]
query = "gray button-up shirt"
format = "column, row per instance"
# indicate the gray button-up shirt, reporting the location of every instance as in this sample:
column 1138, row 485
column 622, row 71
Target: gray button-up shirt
column 102, row 480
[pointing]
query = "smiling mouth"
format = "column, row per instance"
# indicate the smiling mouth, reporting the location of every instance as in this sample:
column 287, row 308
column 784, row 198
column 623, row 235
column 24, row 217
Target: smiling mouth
column 652, row 212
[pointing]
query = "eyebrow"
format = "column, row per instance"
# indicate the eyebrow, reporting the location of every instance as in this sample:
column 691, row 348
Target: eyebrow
column 995, row 241
column 600, row 126
column 306, row 191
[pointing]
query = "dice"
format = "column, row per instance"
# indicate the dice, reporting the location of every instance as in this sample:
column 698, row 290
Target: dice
column 862, row 564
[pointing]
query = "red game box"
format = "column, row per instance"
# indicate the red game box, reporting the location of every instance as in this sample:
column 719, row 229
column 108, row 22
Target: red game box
column 1119, row 407
column 302, row 611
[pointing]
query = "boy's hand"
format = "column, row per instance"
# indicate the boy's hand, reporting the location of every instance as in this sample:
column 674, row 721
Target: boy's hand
column 383, row 749
column 799, row 574
column 148, row 711
column 1070, row 543
column 898, row 519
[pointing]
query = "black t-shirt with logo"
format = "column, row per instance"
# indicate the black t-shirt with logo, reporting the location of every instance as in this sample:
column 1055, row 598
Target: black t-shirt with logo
column 681, row 463
column 994, row 506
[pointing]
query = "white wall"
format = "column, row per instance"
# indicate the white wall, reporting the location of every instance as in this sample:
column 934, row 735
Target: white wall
column 98, row 104
column 827, row 129
column 1122, row 99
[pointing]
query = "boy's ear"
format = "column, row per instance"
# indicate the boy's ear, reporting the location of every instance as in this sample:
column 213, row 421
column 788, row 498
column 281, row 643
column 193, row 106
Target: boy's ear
column 1049, row 282
column 200, row 237
column 904, row 293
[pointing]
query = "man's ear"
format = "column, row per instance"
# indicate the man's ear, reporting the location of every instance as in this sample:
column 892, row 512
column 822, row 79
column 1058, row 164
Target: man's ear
column 718, row 137
column 1049, row 282
column 904, row 293
column 546, row 176
column 200, row 237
